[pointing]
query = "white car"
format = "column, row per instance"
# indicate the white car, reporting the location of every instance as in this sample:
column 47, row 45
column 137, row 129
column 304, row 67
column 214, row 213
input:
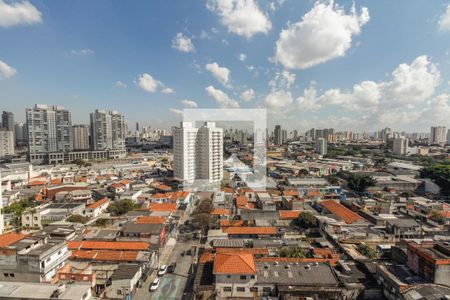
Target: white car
column 154, row 285
column 162, row 270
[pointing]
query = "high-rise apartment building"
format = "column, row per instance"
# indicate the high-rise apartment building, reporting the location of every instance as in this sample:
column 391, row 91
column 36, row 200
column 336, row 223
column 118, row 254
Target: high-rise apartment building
column 80, row 135
column 8, row 120
column 20, row 133
column 278, row 135
column 107, row 130
column 6, row 143
column 438, row 135
column 448, row 137
column 284, row 136
column 400, row 146
column 198, row 152
column 321, row 146
column 49, row 131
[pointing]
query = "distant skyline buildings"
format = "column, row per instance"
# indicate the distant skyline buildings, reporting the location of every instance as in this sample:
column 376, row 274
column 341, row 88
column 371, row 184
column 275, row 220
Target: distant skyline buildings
column 107, row 130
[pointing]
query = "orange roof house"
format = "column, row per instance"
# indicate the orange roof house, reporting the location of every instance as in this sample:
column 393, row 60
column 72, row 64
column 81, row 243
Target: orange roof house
column 98, row 203
column 234, row 264
column 289, row 214
column 220, row 212
column 261, row 230
column 96, row 255
column 167, row 207
column 341, row 211
column 151, row 220
column 10, row 238
column 234, row 223
column 100, row 245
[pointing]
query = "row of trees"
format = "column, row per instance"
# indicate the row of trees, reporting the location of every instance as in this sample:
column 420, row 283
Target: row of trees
column 440, row 174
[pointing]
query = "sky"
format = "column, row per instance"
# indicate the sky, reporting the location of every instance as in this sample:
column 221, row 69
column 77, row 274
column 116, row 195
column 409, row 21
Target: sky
column 351, row 65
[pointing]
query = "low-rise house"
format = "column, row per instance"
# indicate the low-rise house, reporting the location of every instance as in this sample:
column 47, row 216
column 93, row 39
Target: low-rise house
column 251, row 232
column 124, row 282
column 97, row 208
column 155, row 234
column 38, row 217
column 21, row 290
column 31, row 258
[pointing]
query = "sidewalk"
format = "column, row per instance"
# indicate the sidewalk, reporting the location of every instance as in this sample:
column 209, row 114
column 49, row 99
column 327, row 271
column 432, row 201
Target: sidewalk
column 166, row 252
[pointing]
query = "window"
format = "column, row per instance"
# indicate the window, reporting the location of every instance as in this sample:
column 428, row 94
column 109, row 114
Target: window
column 5, row 275
column 12, row 275
column 119, row 292
column 243, row 277
column 241, row 289
column 228, row 276
column 266, row 290
column 252, row 277
column 227, row 288
column 254, row 289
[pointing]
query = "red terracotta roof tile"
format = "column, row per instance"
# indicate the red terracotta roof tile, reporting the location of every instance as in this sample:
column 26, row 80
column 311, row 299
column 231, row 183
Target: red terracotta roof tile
column 251, row 230
column 100, row 245
column 220, row 212
column 234, row 264
column 169, row 207
column 341, row 211
column 98, row 203
column 10, row 238
column 151, row 220
column 289, row 214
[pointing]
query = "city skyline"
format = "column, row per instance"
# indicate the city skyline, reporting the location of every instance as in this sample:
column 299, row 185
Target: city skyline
column 112, row 56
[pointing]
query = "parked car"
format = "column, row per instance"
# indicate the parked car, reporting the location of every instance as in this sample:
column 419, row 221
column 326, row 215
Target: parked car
column 171, row 268
column 154, row 285
column 162, row 270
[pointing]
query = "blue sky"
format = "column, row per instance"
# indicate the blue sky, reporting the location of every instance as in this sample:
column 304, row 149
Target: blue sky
column 350, row 66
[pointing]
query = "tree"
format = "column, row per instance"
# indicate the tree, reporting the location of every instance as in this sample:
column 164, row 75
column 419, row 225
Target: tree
column 101, row 222
column 359, row 182
column 120, row 207
column 204, row 207
column 77, row 219
column 332, row 179
column 292, row 252
column 202, row 221
column 439, row 174
column 306, row 220
column 367, row 251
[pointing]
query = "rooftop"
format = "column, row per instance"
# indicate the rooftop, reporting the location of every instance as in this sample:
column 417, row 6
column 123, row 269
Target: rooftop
column 100, row 245
column 341, row 211
column 251, row 230
column 234, row 264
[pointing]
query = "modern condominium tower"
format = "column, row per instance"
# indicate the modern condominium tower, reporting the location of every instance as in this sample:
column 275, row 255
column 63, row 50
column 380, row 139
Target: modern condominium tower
column 49, row 131
column 107, row 130
column 198, row 152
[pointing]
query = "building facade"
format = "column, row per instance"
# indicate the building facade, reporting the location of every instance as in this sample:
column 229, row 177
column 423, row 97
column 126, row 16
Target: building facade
column 198, row 152
column 321, row 146
column 107, row 130
column 438, row 135
column 8, row 120
column 49, row 131
column 400, row 146
column 6, row 143
column 80, row 135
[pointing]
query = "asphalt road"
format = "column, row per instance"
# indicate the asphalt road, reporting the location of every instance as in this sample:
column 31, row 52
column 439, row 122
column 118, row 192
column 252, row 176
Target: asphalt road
column 172, row 285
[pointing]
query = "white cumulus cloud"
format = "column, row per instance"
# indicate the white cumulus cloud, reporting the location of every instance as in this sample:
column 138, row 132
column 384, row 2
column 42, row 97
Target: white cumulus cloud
column 176, row 111
column 189, row 103
column 6, row 71
column 324, row 33
column 247, row 95
column 222, row 74
column 444, row 21
column 221, row 98
column 120, row 84
column 18, row 13
column 241, row 17
column 183, row 43
column 242, row 57
column 148, row 83
column 168, row 90
column 279, row 99
column 282, row 80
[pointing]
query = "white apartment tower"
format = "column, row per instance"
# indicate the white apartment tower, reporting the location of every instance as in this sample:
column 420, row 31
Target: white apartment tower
column 321, row 146
column 2, row 221
column 400, row 146
column 438, row 135
column 80, row 135
column 6, row 143
column 107, row 130
column 198, row 152
column 49, row 131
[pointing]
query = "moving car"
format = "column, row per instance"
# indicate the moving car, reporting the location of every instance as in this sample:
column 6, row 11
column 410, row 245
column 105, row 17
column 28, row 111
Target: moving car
column 154, row 285
column 162, row 270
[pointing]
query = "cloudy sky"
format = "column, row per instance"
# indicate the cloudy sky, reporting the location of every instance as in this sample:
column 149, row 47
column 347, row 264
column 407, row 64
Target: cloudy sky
column 352, row 65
